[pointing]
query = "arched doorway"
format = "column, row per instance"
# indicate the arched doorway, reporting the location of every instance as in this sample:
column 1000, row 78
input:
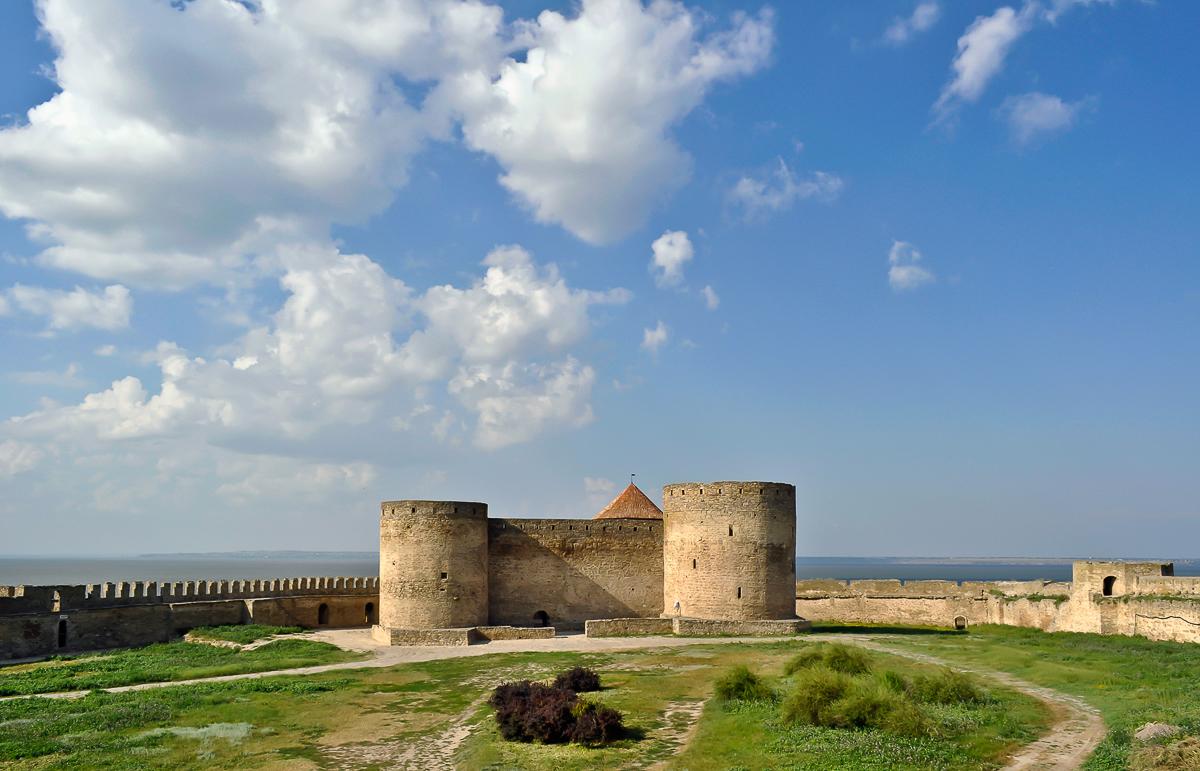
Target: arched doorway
column 369, row 612
column 1109, row 583
column 62, row 633
column 541, row 618
column 960, row 623
column 322, row 614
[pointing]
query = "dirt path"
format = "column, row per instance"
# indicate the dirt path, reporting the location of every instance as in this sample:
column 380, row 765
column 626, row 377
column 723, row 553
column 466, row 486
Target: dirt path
column 1077, row 729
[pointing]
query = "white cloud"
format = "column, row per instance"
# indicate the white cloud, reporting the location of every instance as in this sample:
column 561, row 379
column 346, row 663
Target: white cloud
column 68, row 310
column 982, row 50
column 105, row 350
column 17, row 458
column 1059, row 7
column 654, row 338
column 582, row 125
column 923, row 17
column 777, row 191
column 331, row 360
column 1035, row 115
column 671, row 251
column 905, row 272
column 711, row 300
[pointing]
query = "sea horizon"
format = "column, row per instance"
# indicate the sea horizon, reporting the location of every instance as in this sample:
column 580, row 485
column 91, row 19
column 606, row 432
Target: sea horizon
column 67, row 569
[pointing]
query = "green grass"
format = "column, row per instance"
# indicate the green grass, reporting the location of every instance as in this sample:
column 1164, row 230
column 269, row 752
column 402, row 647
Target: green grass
column 162, row 662
column 973, row 730
column 243, row 633
column 1131, row 680
column 339, row 718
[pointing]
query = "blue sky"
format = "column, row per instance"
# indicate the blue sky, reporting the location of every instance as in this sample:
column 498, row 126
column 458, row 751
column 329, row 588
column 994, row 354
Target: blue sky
column 935, row 263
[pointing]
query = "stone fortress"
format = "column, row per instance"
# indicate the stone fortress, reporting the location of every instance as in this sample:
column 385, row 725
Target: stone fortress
column 719, row 558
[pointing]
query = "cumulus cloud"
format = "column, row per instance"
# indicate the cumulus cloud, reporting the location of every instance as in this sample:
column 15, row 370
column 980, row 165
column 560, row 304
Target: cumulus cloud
column 905, row 272
column 671, row 251
column 711, row 300
column 982, row 50
column 654, row 337
column 108, row 309
column 581, row 126
column 188, row 139
column 777, row 191
column 350, row 342
column 923, row 17
column 1036, row 116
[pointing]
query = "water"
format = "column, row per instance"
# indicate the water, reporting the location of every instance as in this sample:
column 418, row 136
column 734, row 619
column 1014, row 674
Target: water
column 92, row 570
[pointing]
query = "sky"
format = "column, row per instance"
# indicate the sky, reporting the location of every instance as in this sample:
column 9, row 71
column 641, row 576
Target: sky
column 264, row 264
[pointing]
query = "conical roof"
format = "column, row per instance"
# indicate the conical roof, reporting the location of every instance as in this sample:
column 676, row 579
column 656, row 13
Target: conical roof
column 632, row 503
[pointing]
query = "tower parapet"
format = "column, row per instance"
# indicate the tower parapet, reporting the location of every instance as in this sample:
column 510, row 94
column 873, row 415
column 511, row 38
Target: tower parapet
column 729, row 550
column 433, row 564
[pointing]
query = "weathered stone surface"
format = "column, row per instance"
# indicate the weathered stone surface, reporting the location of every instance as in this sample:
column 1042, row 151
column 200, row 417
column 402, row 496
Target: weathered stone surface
column 729, row 550
column 627, row 627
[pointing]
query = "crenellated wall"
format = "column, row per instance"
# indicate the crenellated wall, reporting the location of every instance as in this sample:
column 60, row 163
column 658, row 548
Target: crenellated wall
column 1129, row 598
column 38, row 620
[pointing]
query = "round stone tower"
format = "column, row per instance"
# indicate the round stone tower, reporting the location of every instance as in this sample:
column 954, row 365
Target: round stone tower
column 729, row 550
column 433, row 564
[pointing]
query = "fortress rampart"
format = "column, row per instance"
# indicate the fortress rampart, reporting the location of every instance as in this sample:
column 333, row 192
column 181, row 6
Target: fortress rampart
column 37, row 620
column 566, row 571
column 1129, row 598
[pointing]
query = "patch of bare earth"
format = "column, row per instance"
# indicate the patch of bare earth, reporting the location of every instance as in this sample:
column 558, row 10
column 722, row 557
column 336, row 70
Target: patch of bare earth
column 679, row 726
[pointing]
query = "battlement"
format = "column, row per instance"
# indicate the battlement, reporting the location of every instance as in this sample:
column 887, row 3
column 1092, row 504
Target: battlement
column 578, row 528
column 730, row 489
column 17, row 600
column 452, row 509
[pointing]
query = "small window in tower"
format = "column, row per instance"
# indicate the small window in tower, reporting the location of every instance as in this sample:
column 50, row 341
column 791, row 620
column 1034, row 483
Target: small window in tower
column 693, row 564
column 739, row 592
column 445, row 575
column 731, row 529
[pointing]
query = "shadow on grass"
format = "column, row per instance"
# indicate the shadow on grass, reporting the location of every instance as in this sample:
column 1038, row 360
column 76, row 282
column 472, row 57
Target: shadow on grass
column 882, row 629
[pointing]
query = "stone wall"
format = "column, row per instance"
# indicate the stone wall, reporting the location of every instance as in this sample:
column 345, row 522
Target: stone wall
column 1128, row 598
column 627, row 627
column 729, row 550
column 39, row 620
column 572, row 570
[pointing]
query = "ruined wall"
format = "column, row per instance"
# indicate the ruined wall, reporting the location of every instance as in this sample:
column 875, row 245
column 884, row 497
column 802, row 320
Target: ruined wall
column 729, row 550
column 573, row 570
column 433, row 564
column 38, row 620
column 1144, row 599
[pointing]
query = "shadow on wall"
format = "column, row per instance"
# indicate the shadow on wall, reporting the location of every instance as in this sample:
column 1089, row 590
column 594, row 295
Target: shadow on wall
column 541, row 579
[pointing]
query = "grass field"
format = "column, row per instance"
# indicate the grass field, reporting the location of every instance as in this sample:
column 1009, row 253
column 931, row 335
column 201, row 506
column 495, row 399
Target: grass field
column 1131, row 680
column 381, row 717
column 162, row 662
column 242, row 633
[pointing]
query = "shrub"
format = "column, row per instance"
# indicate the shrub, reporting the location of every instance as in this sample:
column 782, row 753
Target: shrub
column 740, row 684
column 847, row 659
column 907, row 720
column 578, row 679
column 947, row 687
column 595, row 723
column 864, row 705
column 806, row 658
column 812, row 695
column 840, row 658
column 528, row 712
column 894, row 681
